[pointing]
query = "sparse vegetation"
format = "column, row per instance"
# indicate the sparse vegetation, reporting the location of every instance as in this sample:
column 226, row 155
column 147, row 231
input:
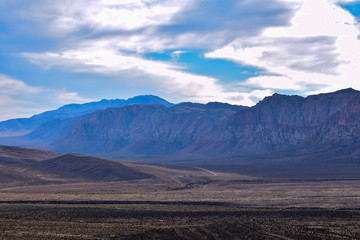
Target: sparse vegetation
column 172, row 220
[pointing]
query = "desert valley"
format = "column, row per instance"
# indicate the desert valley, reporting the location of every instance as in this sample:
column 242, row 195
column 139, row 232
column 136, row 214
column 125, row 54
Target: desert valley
column 183, row 120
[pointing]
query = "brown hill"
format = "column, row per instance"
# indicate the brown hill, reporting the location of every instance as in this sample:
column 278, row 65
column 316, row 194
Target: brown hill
column 24, row 166
column 16, row 155
column 75, row 166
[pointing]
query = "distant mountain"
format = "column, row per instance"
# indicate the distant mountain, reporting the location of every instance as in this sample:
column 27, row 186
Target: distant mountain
column 135, row 129
column 74, row 110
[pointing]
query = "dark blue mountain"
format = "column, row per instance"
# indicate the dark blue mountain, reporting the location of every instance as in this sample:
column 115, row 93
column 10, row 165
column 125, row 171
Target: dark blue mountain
column 74, row 110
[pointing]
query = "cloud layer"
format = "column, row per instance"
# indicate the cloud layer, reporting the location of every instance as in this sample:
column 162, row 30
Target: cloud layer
column 317, row 52
column 17, row 99
column 115, row 42
column 299, row 46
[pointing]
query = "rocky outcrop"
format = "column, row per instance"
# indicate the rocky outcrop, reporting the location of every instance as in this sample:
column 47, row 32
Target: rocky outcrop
column 136, row 129
column 284, row 123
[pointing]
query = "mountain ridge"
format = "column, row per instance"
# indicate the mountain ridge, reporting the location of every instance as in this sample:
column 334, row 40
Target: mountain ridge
column 325, row 126
column 116, row 127
column 73, row 110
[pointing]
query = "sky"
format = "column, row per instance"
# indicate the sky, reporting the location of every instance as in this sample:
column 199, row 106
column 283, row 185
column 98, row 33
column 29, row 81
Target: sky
column 56, row 52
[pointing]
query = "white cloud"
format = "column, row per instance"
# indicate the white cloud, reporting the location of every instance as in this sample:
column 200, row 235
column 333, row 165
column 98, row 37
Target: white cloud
column 273, row 82
column 169, row 78
column 65, row 97
column 319, row 51
column 103, row 30
column 61, row 18
column 119, row 15
column 18, row 99
column 96, row 34
column 303, row 45
column 346, row 1
column 9, row 86
column 152, row 25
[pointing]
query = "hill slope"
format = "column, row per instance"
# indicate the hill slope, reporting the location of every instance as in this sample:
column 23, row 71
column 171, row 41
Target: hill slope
column 24, row 166
column 75, row 166
column 15, row 154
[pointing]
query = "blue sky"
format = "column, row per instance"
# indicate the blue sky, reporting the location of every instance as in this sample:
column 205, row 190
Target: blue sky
column 56, row 52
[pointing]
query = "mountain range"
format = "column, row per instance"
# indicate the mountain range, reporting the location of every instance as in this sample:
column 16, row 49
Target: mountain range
column 74, row 110
column 324, row 127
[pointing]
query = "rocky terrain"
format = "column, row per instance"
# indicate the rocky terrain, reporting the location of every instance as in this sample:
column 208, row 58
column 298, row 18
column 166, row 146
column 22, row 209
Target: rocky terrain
column 46, row 195
column 321, row 127
column 156, row 220
column 283, row 123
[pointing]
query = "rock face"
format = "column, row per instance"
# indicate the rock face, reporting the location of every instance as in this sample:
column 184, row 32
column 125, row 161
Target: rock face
column 322, row 126
column 74, row 110
column 283, row 123
column 136, row 129
column 339, row 134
